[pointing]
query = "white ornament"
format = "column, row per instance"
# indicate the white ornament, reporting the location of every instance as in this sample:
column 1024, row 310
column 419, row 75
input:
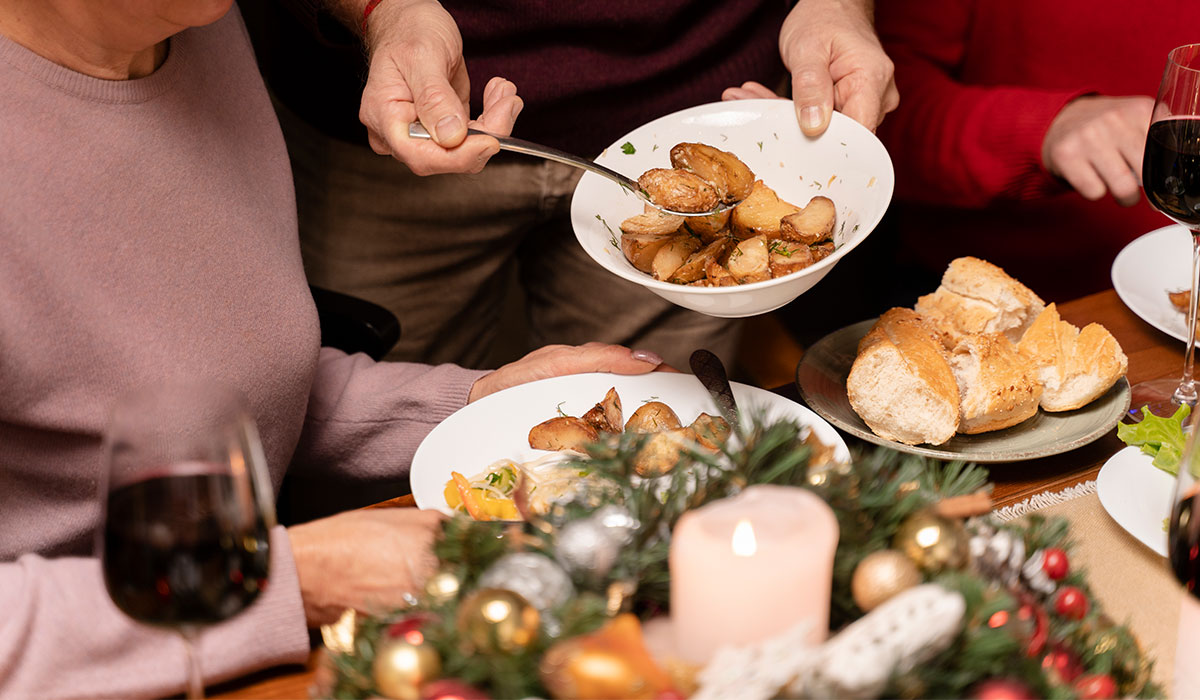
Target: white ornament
column 1034, row 573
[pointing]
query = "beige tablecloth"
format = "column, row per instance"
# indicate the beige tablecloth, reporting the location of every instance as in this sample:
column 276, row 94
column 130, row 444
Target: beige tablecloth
column 1132, row 582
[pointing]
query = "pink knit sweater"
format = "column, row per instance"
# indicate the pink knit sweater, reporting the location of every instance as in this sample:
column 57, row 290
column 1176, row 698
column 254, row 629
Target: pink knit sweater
column 148, row 229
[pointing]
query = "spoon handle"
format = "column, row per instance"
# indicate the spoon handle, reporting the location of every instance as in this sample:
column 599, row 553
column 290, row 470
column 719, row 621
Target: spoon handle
column 508, row 143
column 711, row 373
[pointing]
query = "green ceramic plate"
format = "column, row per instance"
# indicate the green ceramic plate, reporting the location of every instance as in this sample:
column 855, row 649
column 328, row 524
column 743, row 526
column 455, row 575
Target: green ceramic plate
column 821, row 378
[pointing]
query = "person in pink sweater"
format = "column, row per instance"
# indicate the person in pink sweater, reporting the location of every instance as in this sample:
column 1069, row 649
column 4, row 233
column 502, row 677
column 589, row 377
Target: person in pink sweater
column 148, row 231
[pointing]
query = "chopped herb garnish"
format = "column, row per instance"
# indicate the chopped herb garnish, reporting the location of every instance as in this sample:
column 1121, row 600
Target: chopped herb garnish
column 843, row 143
column 855, row 229
column 628, row 149
column 775, row 135
column 652, row 398
column 655, row 148
column 559, row 409
column 760, row 146
column 816, row 184
column 778, row 248
column 612, row 238
column 724, row 137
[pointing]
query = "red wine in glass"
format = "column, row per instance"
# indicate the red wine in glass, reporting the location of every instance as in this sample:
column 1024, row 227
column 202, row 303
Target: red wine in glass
column 174, row 555
column 1171, row 180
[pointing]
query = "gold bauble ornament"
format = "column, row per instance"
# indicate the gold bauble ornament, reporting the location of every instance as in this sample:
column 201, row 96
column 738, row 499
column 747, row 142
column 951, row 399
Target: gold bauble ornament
column 401, row 667
column 932, row 542
column 497, row 620
column 881, row 575
column 442, row 587
column 611, row 662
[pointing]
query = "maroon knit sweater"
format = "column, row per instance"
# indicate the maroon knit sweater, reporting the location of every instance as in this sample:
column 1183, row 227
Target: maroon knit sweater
column 589, row 70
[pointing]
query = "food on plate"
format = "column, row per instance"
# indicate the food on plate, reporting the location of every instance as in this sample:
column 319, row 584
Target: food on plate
column 763, row 237
column 1005, row 353
column 978, row 297
column 1180, row 300
column 1161, row 438
column 728, row 175
column 901, row 384
column 1075, row 366
column 679, row 190
column 562, row 433
column 490, row 494
column 761, row 213
column 997, row 386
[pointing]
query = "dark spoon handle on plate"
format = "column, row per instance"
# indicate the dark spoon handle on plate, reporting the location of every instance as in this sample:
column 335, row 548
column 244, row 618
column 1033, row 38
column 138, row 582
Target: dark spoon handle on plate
column 508, row 143
column 711, row 372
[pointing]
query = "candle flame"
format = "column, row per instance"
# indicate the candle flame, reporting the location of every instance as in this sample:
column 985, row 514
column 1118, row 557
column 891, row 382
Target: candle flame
column 744, row 544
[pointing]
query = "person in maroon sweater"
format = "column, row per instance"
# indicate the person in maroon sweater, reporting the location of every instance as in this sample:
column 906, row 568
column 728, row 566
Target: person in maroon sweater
column 1021, row 134
column 439, row 251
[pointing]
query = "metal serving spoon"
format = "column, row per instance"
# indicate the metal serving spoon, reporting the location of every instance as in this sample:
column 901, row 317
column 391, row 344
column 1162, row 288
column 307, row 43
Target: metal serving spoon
column 507, row 143
column 711, row 372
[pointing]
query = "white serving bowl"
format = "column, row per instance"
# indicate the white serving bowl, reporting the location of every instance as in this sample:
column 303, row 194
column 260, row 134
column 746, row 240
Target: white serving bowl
column 846, row 163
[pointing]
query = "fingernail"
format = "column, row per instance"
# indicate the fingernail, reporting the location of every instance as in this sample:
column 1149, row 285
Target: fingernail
column 646, row 356
column 448, row 127
column 810, row 117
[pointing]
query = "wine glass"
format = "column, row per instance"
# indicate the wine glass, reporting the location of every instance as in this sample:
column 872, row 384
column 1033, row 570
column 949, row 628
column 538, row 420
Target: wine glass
column 1183, row 550
column 1171, row 179
column 188, row 507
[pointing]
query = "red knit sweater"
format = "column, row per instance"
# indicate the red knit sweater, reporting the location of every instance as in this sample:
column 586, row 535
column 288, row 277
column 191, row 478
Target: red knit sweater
column 980, row 81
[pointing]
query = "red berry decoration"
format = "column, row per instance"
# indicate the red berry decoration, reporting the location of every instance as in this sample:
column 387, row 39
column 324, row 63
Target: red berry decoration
column 1054, row 563
column 410, row 628
column 1001, row 689
column 1061, row 665
column 451, row 689
column 1071, row 603
column 1095, row 686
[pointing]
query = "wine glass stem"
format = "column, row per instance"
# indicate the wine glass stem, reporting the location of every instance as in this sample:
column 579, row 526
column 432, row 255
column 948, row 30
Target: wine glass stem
column 195, row 684
column 1186, row 392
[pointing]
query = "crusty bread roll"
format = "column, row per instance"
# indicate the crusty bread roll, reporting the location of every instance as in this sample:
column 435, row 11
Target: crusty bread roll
column 1075, row 367
column 901, row 384
column 996, row 384
column 978, row 297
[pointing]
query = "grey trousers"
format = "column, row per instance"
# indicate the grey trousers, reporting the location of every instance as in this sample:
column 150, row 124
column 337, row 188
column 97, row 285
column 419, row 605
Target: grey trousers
column 443, row 252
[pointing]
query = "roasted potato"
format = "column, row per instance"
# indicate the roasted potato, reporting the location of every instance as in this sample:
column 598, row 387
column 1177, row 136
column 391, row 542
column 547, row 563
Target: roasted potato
column 695, row 267
column 822, row 250
column 812, row 223
column 710, row 431
column 750, row 261
column 679, row 190
column 562, row 433
column 652, row 417
column 652, row 222
column 606, row 416
column 730, row 176
column 640, row 248
column 716, row 273
column 787, row 257
column 759, row 213
column 673, row 255
column 708, row 228
column 661, row 452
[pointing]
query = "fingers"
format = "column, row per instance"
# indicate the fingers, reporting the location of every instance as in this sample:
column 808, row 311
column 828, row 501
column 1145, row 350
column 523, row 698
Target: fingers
column 812, row 91
column 865, row 98
column 439, row 107
column 749, row 90
column 501, row 105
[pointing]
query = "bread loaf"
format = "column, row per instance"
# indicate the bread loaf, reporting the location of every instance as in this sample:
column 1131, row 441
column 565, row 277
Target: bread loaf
column 1075, row 367
column 977, row 297
column 997, row 385
column 901, row 384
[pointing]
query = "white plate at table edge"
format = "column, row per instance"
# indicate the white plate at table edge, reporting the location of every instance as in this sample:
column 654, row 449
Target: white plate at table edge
column 976, row 448
column 1137, row 495
column 501, row 421
column 1145, row 293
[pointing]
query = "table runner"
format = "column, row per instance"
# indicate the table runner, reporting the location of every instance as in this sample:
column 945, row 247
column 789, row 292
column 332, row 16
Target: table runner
column 1134, row 584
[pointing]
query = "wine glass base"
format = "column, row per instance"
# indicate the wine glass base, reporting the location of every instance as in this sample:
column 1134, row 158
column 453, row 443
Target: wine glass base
column 1159, row 395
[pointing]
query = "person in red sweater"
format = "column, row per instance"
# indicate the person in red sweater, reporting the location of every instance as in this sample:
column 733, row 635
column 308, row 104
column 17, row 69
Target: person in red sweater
column 1021, row 132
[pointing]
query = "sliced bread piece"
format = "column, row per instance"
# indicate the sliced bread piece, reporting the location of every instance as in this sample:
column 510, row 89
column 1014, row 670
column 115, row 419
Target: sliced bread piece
column 1075, row 367
column 901, row 384
column 997, row 385
column 978, row 297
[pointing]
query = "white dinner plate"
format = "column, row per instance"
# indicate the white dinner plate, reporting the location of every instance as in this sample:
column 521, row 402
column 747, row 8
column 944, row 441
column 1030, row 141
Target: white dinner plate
column 1137, row 495
column 1150, row 266
column 497, row 426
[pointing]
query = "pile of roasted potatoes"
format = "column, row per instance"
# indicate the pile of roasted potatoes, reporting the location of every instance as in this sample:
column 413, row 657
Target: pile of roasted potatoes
column 761, row 238
column 668, row 440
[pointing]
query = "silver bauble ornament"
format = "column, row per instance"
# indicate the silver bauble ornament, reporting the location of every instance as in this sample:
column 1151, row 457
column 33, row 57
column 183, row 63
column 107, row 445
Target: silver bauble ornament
column 588, row 547
column 536, row 577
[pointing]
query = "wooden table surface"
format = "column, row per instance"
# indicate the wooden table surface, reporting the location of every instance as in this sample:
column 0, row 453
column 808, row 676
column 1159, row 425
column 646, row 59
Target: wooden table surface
column 1152, row 354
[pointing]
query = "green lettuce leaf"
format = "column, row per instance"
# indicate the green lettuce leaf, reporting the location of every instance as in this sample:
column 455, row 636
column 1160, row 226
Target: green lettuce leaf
column 1161, row 438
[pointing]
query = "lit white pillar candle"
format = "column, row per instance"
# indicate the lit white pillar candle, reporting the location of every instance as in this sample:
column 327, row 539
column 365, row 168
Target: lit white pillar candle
column 747, row 568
